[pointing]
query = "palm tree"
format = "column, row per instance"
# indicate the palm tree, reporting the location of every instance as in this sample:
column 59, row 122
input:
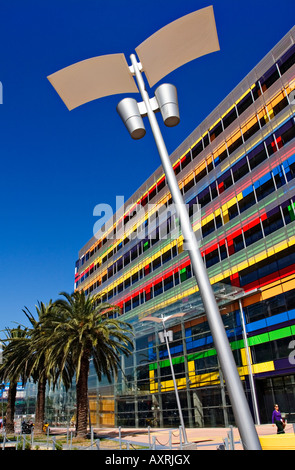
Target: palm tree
column 83, row 331
column 26, row 357
column 10, row 375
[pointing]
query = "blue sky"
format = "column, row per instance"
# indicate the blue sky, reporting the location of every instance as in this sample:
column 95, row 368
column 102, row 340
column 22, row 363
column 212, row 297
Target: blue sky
column 57, row 165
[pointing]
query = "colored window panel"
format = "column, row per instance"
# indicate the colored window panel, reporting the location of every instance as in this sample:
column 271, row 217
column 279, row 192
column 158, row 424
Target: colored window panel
column 287, row 60
column 244, row 103
column 229, row 118
column 257, row 156
column 273, row 222
column 240, row 169
column 197, row 149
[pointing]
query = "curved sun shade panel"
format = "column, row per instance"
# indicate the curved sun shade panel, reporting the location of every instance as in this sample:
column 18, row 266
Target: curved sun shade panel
column 92, row 79
column 181, row 41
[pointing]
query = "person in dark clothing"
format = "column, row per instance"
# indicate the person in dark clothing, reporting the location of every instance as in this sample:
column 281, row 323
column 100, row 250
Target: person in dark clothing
column 277, row 420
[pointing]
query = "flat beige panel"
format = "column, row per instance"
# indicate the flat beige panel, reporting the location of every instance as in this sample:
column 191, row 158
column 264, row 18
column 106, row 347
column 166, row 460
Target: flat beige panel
column 93, row 78
column 177, row 43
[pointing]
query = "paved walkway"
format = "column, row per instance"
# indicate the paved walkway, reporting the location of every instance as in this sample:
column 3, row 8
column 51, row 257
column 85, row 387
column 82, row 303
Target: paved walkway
column 205, row 438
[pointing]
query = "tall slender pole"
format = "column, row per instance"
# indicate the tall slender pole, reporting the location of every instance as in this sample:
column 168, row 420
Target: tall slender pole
column 175, row 384
column 252, row 385
column 236, row 393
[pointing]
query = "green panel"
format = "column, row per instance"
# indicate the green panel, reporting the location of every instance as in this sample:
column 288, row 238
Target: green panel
column 279, row 334
column 259, row 339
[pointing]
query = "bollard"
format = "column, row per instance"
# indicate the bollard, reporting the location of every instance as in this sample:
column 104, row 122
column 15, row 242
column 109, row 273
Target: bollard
column 225, row 441
column 4, row 440
column 149, row 434
column 170, row 439
column 120, row 440
column 180, row 437
column 231, row 438
column 53, row 443
column 47, row 441
column 97, row 442
column 24, row 441
column 154, row 443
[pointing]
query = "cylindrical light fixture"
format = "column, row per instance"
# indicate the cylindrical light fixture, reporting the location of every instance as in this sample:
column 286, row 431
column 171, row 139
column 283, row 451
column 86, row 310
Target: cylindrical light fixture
column 166, row 95
column 129, row 112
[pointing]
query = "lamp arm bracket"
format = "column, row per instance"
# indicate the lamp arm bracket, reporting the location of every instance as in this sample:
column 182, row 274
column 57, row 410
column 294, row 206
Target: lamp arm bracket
column 139, row 65
column 154, row 104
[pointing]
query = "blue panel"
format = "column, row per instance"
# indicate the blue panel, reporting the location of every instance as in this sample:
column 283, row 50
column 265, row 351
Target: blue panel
column 280, row 318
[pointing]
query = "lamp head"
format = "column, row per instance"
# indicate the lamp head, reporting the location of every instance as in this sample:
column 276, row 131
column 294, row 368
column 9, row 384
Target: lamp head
column 129, row 112
column 166, row 95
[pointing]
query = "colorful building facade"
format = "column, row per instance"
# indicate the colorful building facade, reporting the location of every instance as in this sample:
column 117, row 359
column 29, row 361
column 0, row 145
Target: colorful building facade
column 239, row 167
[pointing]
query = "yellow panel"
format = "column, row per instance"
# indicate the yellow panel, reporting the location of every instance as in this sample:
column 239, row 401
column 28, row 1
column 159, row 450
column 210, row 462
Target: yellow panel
column 263, row 367
column 289, row 285
column 278, row 442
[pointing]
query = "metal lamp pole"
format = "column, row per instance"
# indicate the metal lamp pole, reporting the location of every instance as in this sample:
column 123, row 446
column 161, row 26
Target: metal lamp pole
column 174, row 379
column 174, row 45
column 235, row 389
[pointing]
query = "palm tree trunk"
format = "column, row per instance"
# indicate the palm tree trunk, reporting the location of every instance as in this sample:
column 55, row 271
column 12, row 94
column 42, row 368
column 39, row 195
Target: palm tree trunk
column 82, row 398
column 40, row 406
column 9, row 427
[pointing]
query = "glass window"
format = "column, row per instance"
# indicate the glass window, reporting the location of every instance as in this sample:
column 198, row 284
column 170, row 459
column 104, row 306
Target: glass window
column 127, row 283
column 166, row 257
column 126, row 259
column 234, row 142
column 287, row 131
column 251, row 129
column 186, row 160
column 217, row 129
column 158, row 288
column 223, row 252
column 127, row 306
column 233, row 211
column 197, row 149
column 279, row 176
column 238, row 243
column 290, row 299
column 156, row 263
column 189, row 185
column 287, row 60
column 244, row 103
column 204, row 197
column 240, row 169
column 168, row 283
column 271, row 76
column 253, row 235
column 214, row 192
column 208, row 228
column 273, row 222
column 264, row 186
column 212, row 258
column 135, row 301
column 257, row 156
column 229, row 118
column 247, row 201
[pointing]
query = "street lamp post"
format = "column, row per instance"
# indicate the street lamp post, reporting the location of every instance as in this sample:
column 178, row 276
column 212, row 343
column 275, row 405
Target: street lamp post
column 164, row 338
column 174, row 45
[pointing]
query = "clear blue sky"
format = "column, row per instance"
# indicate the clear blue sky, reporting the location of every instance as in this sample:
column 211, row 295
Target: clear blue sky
column 57, row 165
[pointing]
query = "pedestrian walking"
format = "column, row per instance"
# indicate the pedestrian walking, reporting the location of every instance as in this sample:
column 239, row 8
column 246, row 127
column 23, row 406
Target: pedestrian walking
column 277, row 420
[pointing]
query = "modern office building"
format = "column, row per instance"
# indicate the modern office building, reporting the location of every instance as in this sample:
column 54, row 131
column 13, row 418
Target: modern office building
column 239, row 166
